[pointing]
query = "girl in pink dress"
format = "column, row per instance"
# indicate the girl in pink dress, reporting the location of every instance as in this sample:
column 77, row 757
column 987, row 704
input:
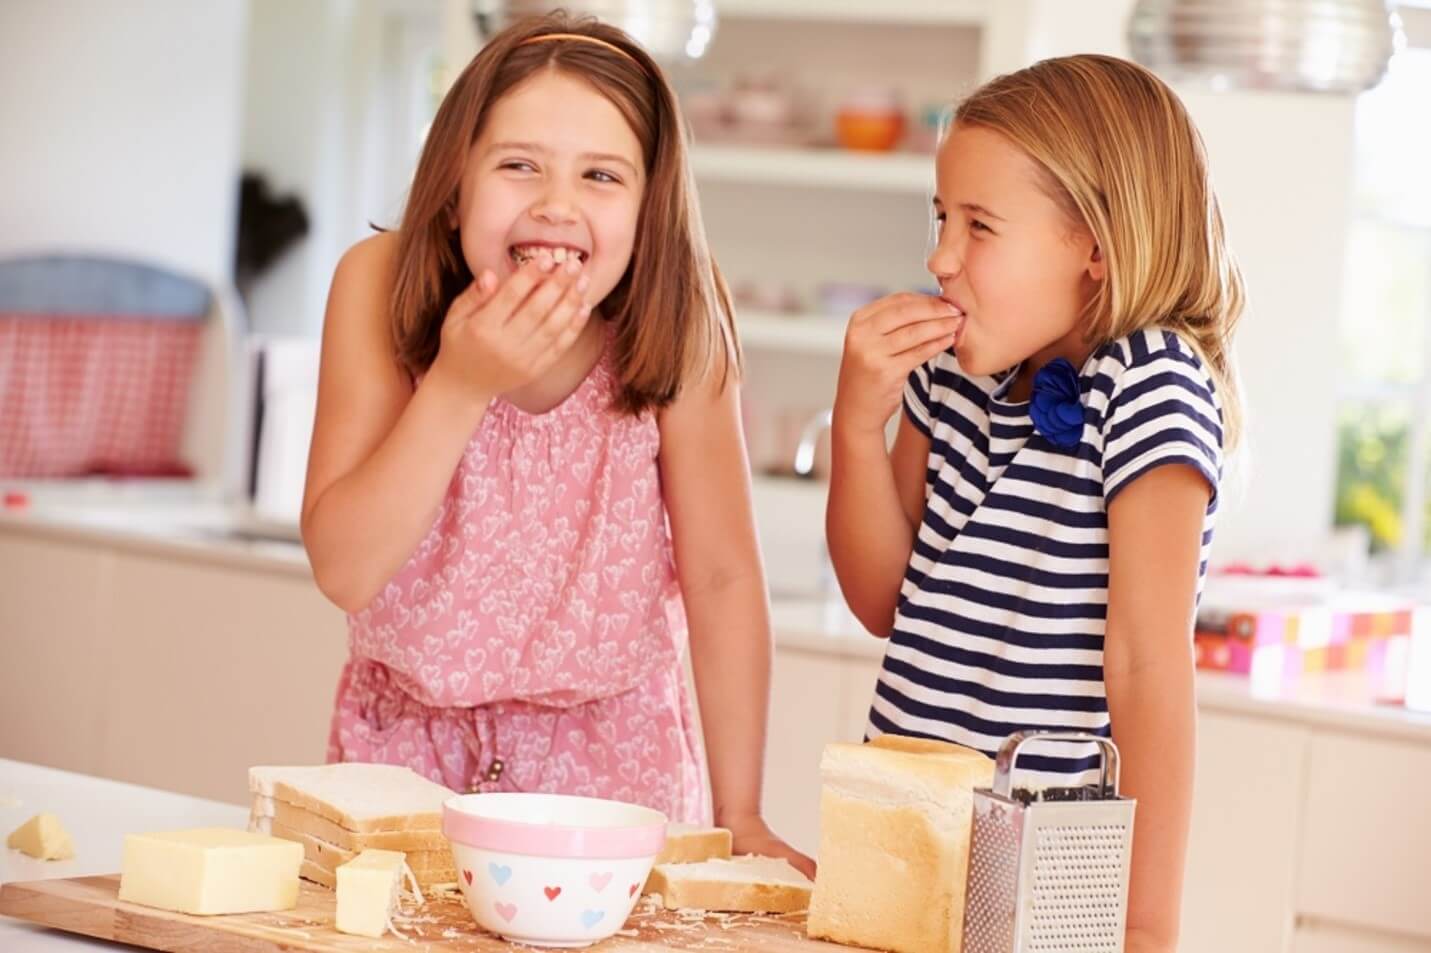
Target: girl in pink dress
column 527, row 484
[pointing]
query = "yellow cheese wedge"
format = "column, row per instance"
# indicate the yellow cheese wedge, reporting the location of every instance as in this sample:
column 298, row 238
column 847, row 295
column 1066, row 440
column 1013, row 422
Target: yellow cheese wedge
column 210, row 870
column 44, row 837
column 368, row 888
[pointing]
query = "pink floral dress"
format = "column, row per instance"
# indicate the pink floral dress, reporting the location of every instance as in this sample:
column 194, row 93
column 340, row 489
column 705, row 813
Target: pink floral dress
column 534, row 641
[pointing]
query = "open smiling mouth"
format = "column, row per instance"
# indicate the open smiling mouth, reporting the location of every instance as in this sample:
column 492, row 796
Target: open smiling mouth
column 521, row 254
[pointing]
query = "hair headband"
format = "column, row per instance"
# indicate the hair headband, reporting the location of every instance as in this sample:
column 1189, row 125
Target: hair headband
column 580, row 37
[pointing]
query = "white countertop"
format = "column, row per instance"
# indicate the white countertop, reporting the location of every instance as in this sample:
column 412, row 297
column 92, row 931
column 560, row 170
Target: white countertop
column 97, row 813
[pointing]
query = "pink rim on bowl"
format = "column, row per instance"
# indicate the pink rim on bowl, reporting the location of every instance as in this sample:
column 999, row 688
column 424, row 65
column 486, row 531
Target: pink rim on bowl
column 554, row 840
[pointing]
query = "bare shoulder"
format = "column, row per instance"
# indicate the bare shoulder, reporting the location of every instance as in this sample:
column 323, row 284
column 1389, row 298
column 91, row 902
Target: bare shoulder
column 357, row 329
column 704, row 389
column 367, row 267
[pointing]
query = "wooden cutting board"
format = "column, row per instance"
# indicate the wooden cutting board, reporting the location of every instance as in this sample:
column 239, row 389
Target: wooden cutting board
column 91, row 906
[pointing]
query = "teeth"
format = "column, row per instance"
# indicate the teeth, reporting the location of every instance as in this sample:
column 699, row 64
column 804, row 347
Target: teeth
column 522, row 254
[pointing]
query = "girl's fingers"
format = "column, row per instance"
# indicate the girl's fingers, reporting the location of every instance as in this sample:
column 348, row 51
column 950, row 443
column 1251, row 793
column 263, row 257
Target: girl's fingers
column 509, row 298
column 539, row 304
column 486, row 284
column 562, row 314
column 917, row 335
column 924, row 353
column 903, row 309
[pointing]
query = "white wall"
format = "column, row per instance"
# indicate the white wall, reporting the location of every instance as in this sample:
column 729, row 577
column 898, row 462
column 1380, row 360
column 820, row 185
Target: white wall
column 1281, row 164
column 313, row 125
column 119, row 127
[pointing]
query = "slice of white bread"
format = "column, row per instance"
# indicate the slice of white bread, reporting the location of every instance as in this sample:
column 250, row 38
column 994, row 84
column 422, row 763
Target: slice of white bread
column 689, row 843
column 318, row 875
column 895, row 823
column 266, row 812
column 359, row 797
column 331, row 856
column 327, row 876
column 745, row 884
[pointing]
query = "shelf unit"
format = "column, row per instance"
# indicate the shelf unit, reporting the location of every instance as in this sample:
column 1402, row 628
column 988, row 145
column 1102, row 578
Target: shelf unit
column 906, row 172
column 945, row 12
column 793, row 333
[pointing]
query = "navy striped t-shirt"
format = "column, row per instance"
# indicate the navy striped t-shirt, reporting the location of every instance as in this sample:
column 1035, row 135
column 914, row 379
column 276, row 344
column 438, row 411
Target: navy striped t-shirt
column 1002, row 612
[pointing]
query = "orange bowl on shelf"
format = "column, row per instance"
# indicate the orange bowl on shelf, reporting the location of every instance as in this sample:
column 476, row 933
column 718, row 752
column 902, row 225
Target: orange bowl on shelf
column 868, row 131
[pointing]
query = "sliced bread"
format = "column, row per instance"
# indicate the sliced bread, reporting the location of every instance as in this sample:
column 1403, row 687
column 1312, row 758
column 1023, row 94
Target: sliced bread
column 267, row 812
column 357, row 796
column 689, row 843
column 331, row 856
column 746, row 884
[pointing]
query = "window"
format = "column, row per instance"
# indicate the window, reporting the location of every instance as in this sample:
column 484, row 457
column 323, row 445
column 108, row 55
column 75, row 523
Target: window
column 1384, row 425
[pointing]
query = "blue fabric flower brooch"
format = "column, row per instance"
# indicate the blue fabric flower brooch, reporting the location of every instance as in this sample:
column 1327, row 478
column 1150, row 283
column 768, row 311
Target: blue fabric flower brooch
column 1056, row 407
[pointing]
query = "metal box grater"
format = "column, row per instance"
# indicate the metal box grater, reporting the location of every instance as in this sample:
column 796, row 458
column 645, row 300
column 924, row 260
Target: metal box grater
column 1049, row 876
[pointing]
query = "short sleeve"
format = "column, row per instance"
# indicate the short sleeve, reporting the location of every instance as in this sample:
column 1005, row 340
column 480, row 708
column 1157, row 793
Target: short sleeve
column 1162, row 411
column 917, row 402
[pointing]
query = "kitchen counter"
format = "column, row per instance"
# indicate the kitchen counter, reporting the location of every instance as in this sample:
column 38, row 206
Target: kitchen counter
column 97, row 813
column 177, row 631
column 214, row 534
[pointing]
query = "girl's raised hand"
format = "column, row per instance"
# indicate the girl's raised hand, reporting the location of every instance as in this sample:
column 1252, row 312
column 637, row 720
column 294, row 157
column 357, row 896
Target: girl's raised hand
column 884, row 342
column 497, row 337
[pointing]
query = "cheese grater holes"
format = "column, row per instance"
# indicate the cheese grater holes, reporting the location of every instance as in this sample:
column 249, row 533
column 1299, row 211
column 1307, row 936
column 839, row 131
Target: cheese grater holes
column 1077, row 889
column 993, row 872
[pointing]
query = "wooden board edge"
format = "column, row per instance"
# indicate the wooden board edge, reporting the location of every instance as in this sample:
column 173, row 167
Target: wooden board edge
column 35, row 901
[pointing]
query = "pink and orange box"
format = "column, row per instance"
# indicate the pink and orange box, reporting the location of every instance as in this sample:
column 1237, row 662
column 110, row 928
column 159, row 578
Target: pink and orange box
column 1362, row 634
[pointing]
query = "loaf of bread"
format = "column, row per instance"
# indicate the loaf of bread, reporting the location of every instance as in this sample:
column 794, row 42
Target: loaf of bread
column 895, row 822
column 745, row 884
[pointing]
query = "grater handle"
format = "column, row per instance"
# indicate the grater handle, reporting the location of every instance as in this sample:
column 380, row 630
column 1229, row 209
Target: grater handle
column 1009, row 753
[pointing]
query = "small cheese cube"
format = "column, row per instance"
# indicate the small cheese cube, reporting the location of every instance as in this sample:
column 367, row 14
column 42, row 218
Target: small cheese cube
column 44, row 837
column 210, row 870
column 368, row 890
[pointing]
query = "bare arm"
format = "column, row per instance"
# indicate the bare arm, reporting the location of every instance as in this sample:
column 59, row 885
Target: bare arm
column 876, row 503
column 1154, row 541
column 876, row 495
column 383, row 452
column 705, row 480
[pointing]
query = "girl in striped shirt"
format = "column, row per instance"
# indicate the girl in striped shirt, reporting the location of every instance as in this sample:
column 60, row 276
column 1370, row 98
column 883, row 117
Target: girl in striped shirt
column 1034, row 543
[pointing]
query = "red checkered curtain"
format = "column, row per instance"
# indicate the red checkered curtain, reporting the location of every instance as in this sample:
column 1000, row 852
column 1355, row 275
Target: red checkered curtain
column 96, row 362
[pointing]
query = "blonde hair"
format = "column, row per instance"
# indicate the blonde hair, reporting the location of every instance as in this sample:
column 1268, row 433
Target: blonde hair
column 1122, row 157
column 671, row 311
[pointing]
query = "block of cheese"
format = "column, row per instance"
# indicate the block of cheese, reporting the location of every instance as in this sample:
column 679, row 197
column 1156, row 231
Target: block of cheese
column 895, row 821
column 356, row 796
column 688, row 843
column 267, row 812
column 44, row 837
column 368, row 888
column 210, row 870
column 745, row 884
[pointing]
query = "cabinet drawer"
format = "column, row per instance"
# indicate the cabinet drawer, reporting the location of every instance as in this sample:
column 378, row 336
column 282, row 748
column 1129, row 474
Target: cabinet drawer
column 1366, row 835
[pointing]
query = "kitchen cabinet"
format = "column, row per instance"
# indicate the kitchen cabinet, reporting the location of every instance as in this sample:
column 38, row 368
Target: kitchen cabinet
column 179, row 658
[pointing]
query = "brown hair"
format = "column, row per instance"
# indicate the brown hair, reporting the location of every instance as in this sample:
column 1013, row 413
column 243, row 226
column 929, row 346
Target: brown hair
column 671, row 310
column 1120, row 154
